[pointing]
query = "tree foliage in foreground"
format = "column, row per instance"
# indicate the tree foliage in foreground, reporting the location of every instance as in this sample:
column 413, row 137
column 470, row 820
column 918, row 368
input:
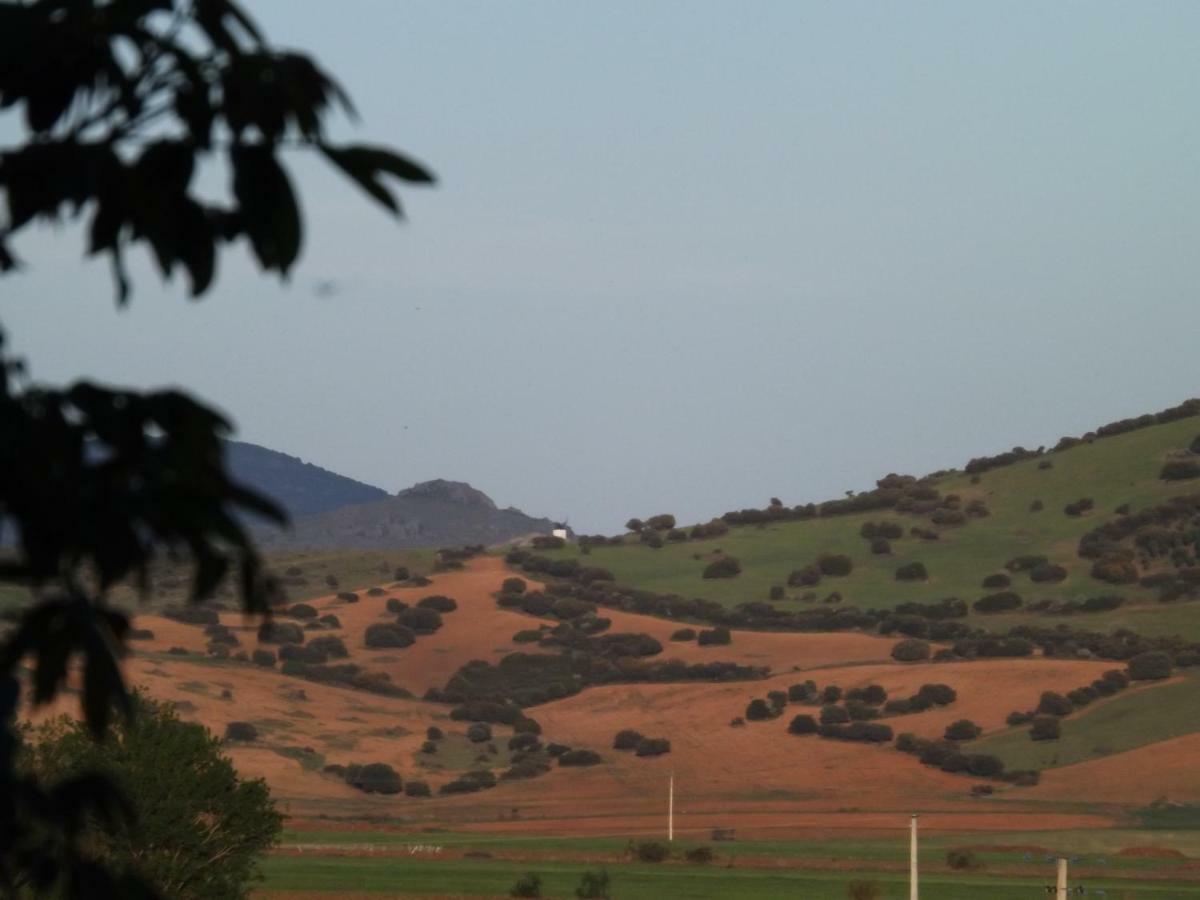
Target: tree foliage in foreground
column 120, row 101
column 197, row 829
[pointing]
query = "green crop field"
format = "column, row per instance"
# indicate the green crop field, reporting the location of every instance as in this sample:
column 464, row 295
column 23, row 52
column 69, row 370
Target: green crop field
column 767, row 869
column 1121, row 723
column 1112, row 471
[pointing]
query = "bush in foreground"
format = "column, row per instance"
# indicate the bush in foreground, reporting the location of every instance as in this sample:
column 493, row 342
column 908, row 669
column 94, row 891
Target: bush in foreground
column 911, row 650
column 1150, row 666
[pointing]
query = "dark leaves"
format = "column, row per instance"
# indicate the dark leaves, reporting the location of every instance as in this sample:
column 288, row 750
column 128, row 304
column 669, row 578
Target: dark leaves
column 365, row 165
column 268, row 206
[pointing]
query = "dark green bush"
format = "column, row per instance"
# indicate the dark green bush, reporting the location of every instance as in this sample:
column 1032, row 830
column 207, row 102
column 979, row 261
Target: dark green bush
column 759, row 710
column 651, row 851
column 627, row 739
column 302, row 611
column 479, row 732
column 262, row 657
column 374, row 778
column 802, row 724
column 718, row 636
column 438, row 603
column 684, row 634
column 653, row 747
column 382, row 635
column 420, row 620
column 809, row 576
column 962, row 730
column 836, row 564
column 1053, row 703
column 1150, row 666
column 579, row 758
column 911, row 650
column 725, row 567
column 348, row 597
column 1179, row 470
column 1045, row 728
column 329, row 646
column 881, row 546
column 1001, row 602
column 997, row 580
column 1115, row 570
column 280, row 633
column 528, row 885
column 833, row 715
column 416, row 788
column 513, row 586
column 241, row 731
column 913, row 571
column 1047, row 573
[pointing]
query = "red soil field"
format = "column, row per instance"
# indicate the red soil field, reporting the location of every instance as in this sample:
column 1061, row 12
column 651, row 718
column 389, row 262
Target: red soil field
column 1166, row 769
column 756, row 778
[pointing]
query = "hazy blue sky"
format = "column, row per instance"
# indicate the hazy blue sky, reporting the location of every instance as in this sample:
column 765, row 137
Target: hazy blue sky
column 686, row 256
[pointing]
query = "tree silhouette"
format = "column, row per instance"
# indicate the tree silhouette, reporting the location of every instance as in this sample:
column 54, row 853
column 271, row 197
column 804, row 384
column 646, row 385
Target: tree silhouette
column 121, row 99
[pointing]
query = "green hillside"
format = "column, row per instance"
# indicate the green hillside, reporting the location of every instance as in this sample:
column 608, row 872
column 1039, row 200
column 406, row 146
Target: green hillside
column 1112, row 471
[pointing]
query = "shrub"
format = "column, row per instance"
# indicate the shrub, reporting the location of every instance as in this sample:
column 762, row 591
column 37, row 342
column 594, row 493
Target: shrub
column 1079, row 507
column 627, row 739
column 280, row 633
column 1019, row 718
column 651, row 851
column 802, row 693
column 528, row 885
column 1047, row 572
column 802, row 724
column 479, row 732
column 714, row 637
column 809, row 576
column 438, row 603
column 913, row 571
column 937, row 694
column 961, row 859
column 997, row 580
column 302, row 653
column 513, row 586
column 863, row 890
column 348, row 597
column 302, row 611
column 193, row 615
column 830, row 694
column 834, row 715
column 329, row 620
column 983, row 765
column 420, row 620
column 1115, row 570
column 594, row 886
column 374, row 778
column 469, row 783
column 400, row 574
column 759, row 710
column 434, row 733
column 1024, row 563
column 776, row 592
column 331, row 581
column 579, row 758
column 881, row 546
column 375, row 592
column 684, row 634
column 1045, row 728
column 240, row 731
column 1001, row 602
column 262, row 657
column 1150, row 666
column 416, row 788
column 1101, row 604
column 395, row 605
column 910, row 650
column 1179, row 470
column 653, row 747
column 834, row 564
column 1054, row 704
column 700, row 855
column 382, row 635
column 725, row 567
column 962, row 730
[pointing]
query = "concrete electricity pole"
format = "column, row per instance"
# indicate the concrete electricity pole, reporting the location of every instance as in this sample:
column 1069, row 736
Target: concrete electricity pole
column 1060, row 890
column 913, row 889
column 671, row 809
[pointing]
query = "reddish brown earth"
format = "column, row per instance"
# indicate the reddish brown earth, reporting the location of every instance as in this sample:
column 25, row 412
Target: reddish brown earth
column 1166, row 769
column 757, row 779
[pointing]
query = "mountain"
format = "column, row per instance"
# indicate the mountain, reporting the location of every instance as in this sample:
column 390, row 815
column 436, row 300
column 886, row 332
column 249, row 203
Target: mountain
column 300, row 488
column 431, row 514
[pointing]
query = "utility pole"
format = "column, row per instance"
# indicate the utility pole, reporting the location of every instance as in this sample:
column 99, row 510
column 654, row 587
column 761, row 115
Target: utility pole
column 671, row 809
column 913, row 889
column 1060, row 890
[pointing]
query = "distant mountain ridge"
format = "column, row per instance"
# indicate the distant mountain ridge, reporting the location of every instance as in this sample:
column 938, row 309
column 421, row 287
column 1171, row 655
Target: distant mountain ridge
column 330, row 511
column 300, row 487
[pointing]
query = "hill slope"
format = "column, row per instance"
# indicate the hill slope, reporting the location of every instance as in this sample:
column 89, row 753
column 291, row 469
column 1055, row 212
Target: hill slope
column 431, row 514
column 300, row 488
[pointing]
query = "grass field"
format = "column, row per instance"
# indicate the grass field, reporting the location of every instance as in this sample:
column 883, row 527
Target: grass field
column 1112, row 471
column 1121, row 723
column 434, row 864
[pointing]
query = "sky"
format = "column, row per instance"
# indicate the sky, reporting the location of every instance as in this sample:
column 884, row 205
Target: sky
column 687, row 256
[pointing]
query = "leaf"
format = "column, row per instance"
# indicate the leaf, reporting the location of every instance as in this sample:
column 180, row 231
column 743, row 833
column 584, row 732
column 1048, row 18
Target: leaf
column 268, row 206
